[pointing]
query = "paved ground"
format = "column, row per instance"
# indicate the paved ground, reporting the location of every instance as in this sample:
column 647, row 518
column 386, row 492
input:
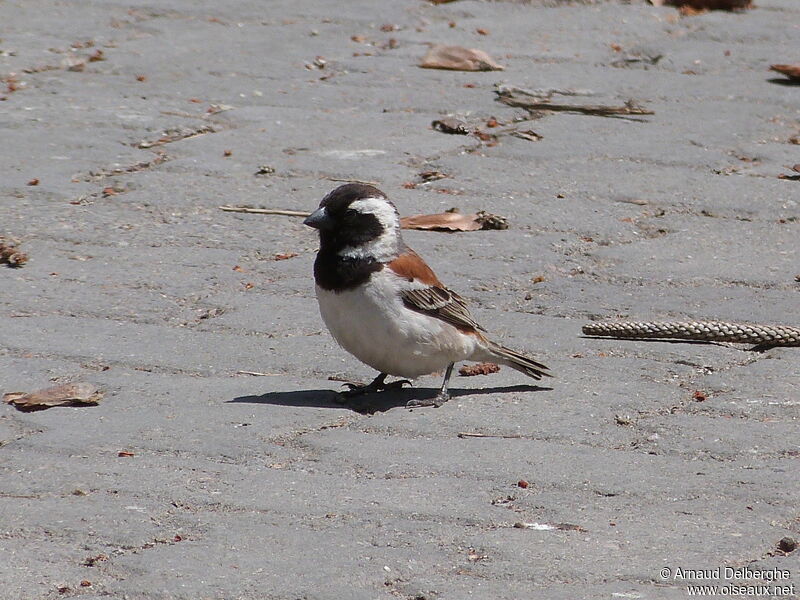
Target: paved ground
column 264, row 487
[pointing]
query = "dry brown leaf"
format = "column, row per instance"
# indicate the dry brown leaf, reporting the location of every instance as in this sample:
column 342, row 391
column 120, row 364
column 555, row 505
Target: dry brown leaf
column 484, row 368
column 791, row 71
column 441, row 222
column 705, row 4
column 453, row 221
column 68, row 394
column 458, row 58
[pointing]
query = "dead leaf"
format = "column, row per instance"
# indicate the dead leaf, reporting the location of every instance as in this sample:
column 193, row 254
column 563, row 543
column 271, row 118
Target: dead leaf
column 441, row 222
column 68, row 394
column 705, row 4
column 284, row 256
column 791, row 71
column 458, row 58
column 484, row 368
column 453, row 221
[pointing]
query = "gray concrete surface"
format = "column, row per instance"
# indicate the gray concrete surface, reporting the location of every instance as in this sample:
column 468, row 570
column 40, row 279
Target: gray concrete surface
column 264, row 487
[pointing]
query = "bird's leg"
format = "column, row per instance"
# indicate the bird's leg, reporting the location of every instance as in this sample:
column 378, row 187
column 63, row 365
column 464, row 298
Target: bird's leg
column 442, row 397
column 377, row 385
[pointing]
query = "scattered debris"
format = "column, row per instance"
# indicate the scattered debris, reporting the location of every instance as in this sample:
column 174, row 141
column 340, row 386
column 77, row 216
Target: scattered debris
column 623, row 420
column 34, row 181
column 523, row 484
column 160, row 157
column 285, row 256
column 454, row 221
column 265, row 211
column 10, row 255
column 791, row 71
column 451, row 125
column 176, row 134
column 318, row 64
column 125, row 454
column 474, row 556
column 527, row 134
column 458, row 58
column 484, row 368
column 68, row 394
column 265, row 170
column 428, row 176
column 92, row 561
column 699, row 396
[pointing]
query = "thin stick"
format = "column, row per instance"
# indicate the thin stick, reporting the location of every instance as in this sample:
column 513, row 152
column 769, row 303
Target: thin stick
column 466, row 434
column 629, row 108
column 265, row 211
column 257, row 374
column 343, row 180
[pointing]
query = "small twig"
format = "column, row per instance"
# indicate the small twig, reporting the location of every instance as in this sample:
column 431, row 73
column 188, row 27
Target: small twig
column 345, row 180
column 532, row 104
column 466, row 434
column 265, row 211
column 257, row 374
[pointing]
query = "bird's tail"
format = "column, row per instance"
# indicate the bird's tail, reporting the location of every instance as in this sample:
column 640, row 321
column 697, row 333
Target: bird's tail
column 515, row 360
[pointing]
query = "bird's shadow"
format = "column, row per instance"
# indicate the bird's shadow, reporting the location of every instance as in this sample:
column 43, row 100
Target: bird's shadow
column 789, row 82
column 371, row 403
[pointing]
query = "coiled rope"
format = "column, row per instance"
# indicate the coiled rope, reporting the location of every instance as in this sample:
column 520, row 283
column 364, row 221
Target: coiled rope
column 710, row 331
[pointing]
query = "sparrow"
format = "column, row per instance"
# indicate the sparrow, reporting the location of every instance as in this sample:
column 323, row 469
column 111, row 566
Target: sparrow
column 385, row 306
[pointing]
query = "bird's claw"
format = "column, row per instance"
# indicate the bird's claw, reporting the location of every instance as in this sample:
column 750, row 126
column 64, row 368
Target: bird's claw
column 434, row 402
column 374, row 387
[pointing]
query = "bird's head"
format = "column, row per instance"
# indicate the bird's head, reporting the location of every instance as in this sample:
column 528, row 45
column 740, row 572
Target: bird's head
column 357, row 220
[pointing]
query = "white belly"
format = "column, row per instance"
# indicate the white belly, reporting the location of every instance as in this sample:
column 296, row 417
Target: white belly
column 372, row 323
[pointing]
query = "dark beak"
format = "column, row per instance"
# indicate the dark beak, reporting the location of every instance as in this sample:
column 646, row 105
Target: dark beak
column 319, row 219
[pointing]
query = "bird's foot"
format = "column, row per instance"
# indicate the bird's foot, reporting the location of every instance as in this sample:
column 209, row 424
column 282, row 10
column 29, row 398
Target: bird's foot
column 378, row 385
column 436, row 402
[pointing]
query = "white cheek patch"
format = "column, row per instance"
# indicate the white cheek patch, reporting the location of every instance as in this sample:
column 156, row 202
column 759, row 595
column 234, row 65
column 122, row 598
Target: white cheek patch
column 382, row 209
column 384, row 248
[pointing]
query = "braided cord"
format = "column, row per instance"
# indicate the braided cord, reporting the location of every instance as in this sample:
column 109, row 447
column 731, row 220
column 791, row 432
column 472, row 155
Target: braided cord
column 712, row 331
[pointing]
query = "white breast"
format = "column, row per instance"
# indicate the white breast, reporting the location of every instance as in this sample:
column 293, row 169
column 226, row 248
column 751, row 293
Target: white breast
column 372, row 323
